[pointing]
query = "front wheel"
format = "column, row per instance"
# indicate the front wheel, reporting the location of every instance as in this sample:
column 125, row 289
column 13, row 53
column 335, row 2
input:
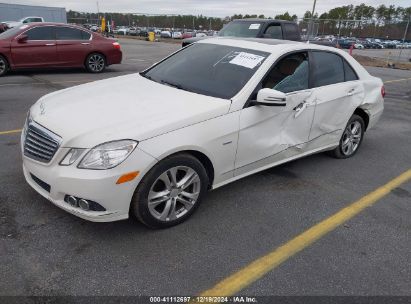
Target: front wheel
column 95, row 63
column 170, row 192
column 351, row 139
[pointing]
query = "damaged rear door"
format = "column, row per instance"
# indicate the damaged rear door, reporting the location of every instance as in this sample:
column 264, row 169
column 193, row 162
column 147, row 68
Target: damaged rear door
column 338, row 92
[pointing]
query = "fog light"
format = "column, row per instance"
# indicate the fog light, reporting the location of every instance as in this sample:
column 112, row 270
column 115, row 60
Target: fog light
column 72, row 201
column 83, row 204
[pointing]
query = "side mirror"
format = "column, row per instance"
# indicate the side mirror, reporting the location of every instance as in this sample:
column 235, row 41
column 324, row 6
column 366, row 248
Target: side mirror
column 22, row 39
column 271, row 98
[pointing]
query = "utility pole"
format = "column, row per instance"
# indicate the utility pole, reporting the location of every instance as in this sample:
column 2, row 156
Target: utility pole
column 405, row 36
column 311, row 31
column 98, row 11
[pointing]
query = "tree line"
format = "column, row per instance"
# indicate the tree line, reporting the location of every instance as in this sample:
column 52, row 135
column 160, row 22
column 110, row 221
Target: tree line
column 359, row 20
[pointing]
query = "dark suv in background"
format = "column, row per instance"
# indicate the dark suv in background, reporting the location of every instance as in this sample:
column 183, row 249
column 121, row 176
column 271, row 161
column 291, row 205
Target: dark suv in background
column 256, row 28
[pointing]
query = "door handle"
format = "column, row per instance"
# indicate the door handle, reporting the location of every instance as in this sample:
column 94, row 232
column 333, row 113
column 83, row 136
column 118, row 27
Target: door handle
column 300, row 108
column 85, row 43
column 50, row 44
column 351, row 92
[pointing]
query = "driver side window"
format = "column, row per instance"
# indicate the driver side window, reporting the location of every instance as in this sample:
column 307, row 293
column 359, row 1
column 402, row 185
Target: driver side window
column 290, row 74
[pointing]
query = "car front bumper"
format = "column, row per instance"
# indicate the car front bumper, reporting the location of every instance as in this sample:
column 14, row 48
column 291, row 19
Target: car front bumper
column 94, row 185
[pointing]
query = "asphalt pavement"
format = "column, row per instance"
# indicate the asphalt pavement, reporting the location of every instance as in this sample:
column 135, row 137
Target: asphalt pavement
column 46, row 251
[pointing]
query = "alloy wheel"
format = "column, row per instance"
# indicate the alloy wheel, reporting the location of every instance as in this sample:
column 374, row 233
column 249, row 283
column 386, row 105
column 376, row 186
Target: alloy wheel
column 351, row 138
column 96, row 63
column 174, row 193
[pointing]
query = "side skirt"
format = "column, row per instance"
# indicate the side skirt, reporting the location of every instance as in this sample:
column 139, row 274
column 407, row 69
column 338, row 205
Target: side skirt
column 279, row 159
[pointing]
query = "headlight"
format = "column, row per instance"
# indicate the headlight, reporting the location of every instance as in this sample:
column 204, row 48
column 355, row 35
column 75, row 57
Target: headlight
column 108, row 155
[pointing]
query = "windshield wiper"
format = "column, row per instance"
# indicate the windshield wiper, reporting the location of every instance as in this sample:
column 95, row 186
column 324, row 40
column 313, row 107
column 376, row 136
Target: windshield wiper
column 170, row 84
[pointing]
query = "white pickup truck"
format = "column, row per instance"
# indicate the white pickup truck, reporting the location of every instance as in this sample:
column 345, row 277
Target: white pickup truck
column 24, row 20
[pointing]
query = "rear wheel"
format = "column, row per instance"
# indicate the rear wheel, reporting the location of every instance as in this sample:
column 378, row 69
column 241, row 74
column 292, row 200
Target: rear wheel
column 170, row 192
column 351, row 139
column 4, row 66
column 95, row 63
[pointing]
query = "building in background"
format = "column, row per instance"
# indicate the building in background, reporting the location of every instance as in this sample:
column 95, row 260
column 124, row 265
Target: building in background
column 15, row 12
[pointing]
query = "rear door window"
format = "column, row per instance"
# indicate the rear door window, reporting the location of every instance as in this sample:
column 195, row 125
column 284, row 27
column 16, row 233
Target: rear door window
column 328, row 68
column 41, row 33
column 350, row 74
column 85, row 35
column 68, row 33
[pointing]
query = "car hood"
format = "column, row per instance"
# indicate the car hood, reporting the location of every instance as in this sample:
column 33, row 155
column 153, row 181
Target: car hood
column 125, row 107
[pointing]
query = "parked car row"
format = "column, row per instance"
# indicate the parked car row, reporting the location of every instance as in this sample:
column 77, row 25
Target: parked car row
column 163, row 33
column 363, row 43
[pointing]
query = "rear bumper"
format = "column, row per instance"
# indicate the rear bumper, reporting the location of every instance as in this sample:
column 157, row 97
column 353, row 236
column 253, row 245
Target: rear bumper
column 115, row 57
column 375, row 115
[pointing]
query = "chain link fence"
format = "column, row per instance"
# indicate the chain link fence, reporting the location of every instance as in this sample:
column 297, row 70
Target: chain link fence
column 385, row 44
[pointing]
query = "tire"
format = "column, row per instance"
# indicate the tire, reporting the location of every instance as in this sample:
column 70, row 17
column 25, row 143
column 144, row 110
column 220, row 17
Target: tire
column 351, row 138
column 170, row 203
column 95, row 63
column 4, row 66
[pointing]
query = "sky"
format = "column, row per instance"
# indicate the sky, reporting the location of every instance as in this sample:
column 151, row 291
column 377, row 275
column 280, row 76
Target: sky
column 211, row 8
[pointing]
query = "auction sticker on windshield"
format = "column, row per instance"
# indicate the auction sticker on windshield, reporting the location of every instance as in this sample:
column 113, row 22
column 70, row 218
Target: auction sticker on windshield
column 247, row 60
column 254, row 26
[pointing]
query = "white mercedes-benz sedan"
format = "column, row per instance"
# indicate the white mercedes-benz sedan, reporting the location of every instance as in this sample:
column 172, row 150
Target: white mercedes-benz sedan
column 151, row 144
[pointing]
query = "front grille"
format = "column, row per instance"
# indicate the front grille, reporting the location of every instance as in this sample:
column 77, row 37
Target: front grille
column 40, row 144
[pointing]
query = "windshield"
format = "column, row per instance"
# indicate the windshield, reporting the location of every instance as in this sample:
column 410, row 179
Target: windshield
column 214, row 70
column 10, row 33
column 241, row 29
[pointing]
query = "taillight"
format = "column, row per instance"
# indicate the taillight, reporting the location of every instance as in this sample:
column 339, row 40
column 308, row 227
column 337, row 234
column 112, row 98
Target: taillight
column 116, row 45
column 382, row 91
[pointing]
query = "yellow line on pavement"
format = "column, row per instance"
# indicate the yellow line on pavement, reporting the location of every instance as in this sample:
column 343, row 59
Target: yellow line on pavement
column 10, row 132
column 257, row 269
column 397, row 80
